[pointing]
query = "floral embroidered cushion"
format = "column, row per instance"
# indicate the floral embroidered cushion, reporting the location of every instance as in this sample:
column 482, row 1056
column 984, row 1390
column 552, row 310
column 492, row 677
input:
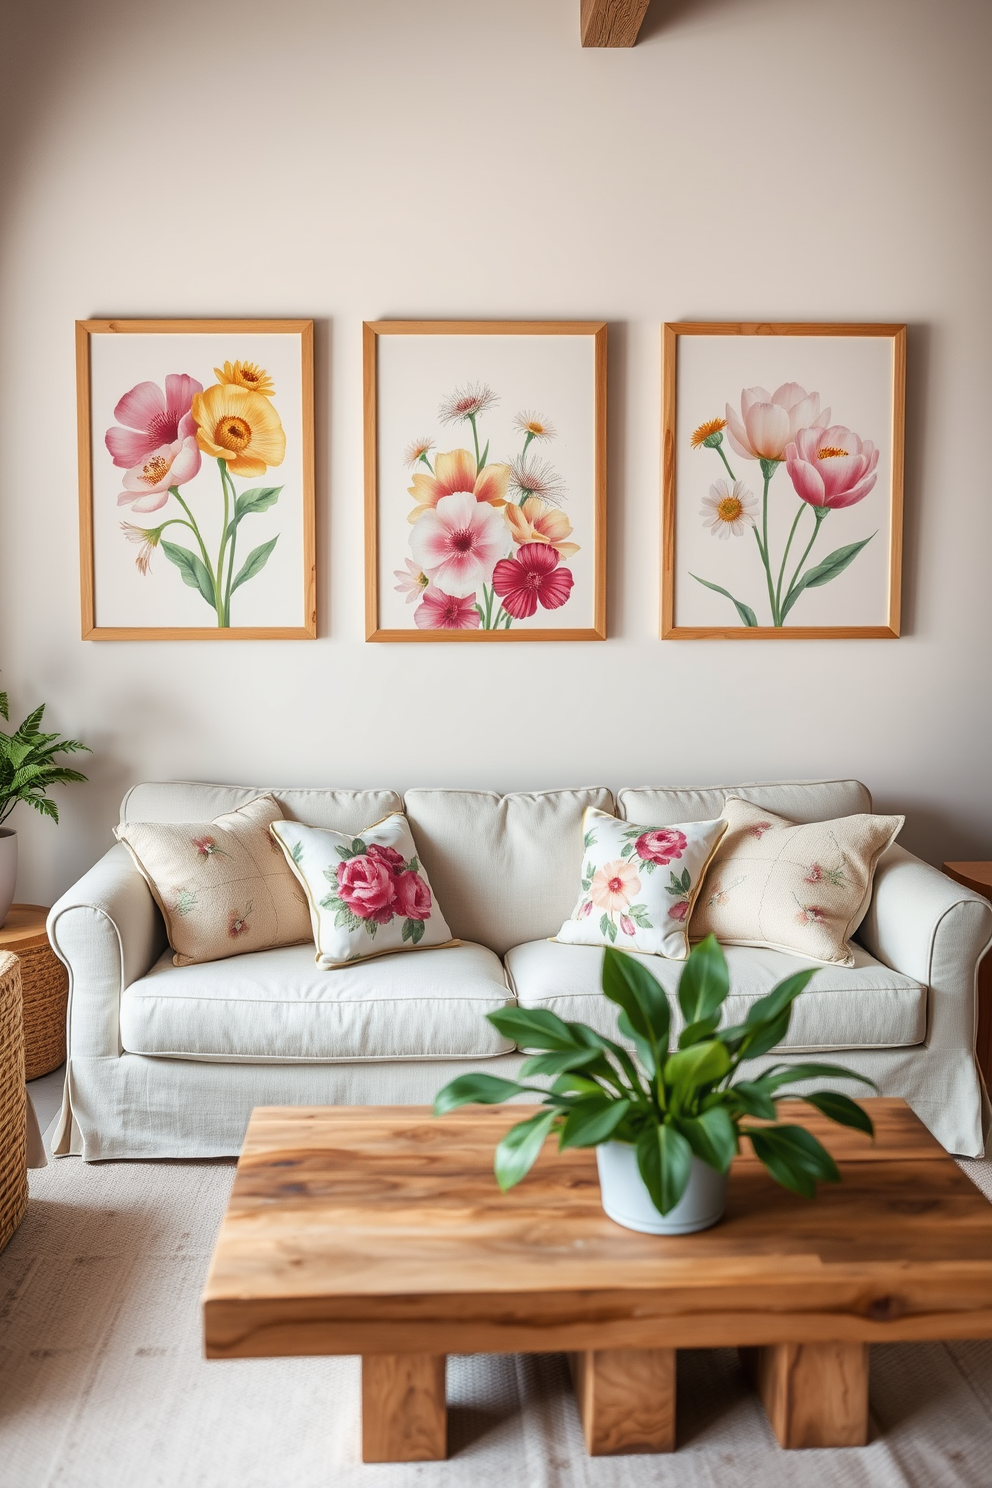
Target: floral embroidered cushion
column 222, row 886
column 802, row 887
column 639, row 884
column 368, row 895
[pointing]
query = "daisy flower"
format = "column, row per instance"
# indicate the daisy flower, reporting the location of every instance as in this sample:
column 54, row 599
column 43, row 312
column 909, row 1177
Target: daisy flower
column 536, row 478
column 412, row 583
column 614, row 886
column 418, row 449
column 704, row 434
column 727, row 511
column 467, row 403
column 537, row 428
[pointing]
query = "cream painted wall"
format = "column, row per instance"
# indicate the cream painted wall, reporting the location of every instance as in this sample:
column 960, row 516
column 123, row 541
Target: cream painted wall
column 750, row 159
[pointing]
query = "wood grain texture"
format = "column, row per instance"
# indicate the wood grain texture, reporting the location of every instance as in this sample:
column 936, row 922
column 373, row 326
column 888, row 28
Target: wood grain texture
column 376, row 1229
column 670, row 335
column 815, row 1394
column 85, row 330
column 626, row 1399
column 371, row 331
column 404, row 1408
column 24, row 928
column 978, row 878
column 611, row 23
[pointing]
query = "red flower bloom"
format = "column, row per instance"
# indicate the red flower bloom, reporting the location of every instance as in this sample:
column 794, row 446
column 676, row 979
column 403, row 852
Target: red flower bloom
column 413, row 897
column 533, row 575
column 393, row 860
column 679, row 909
column 661, row 845
column 368, row 888
column 440, row 611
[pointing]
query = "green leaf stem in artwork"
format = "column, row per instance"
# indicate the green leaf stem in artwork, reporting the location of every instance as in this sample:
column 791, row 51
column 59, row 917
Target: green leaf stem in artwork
column 193, row 570
column 748, row 617
column 255, row 562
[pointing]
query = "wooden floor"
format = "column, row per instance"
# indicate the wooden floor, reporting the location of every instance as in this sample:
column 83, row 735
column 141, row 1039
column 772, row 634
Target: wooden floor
column 380, row 1231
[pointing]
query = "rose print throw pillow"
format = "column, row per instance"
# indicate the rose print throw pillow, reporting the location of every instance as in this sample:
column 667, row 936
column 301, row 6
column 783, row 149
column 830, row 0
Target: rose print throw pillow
column 802, row 887
column 639, row 884
column 222, row 886
column 368, row 895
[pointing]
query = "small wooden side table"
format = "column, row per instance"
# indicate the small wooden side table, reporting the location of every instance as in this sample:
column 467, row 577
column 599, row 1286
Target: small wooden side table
column 44, row 985
column 978, row 876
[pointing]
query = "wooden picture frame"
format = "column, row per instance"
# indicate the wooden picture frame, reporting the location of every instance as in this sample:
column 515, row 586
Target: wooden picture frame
column 711, row 417
column 488, row 383
column 154, row 397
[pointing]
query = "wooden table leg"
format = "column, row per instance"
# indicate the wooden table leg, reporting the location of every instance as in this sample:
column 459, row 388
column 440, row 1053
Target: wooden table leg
column 815, row 1394
column 626, row 1399
column 404, row 1409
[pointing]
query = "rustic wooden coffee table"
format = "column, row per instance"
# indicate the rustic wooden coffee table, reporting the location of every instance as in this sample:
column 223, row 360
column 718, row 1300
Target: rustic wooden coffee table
column 380, row 1231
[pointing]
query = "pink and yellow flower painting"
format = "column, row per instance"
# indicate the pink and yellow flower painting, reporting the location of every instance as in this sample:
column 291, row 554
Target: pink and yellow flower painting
column 782, row 497
column 200, row 480
column 487, row 514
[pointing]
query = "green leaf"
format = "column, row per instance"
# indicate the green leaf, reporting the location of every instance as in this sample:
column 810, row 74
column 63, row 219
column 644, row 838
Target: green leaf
column 646, row 1049
column 592, row 1121
column 712, row 1137
column 519, row 1149
column 705, row 981
column 193, row 569
column 664, row 1159
column 842, row 1109
column 413, row 866
column 4, row 706
column 748, row 617
column 764, row 1036
column 254, row 563
column 694, row 1033
column 258, row 499
column 604, row 924
column 344, row 853
column 478, row 1090
column 753, row 1099
column 701, row 1064
column 778, row 999
column 532, row 1028
column 558, row 1062
column 611, row 930
column 794, row 1157
column 407, row 929
column 485, row 456
column 785, row 1074
column 834, row 564
column 417, row 931
column 630, row 985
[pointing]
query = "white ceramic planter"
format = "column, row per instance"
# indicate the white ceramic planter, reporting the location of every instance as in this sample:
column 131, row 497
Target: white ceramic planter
column 627, row 1201
column 8, row 869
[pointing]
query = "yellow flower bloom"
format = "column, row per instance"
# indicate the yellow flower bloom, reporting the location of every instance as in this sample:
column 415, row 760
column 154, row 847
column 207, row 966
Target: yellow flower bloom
column 454, row 470
column 535, row 521
column 706, row 431
column 239, row 426
column 246, row 374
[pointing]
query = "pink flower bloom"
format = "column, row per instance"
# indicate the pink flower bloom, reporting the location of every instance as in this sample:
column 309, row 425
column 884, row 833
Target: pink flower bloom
column 412, row 583
column 440, row 611
column 811, row 914
column 814, row 875
column 585, row 910
column 206, row 847
column 393, row 860
column 660, row 846
column 237, row 924
column 367, row 887
column 627, row 926
column 146, row 487
column 614, row 886
column 678, row 910
column 769, row 421
column 152, row 419
column 413, row 897
column 458, row 542
column 533, row 575
column 831, row 467
column 759, row 829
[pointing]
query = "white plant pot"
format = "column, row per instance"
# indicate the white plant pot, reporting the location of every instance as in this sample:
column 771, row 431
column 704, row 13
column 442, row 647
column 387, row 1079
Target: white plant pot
column 627, row 1201
column 8, row 869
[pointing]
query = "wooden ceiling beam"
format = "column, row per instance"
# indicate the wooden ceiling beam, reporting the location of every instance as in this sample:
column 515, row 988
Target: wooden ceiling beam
column 611, row 23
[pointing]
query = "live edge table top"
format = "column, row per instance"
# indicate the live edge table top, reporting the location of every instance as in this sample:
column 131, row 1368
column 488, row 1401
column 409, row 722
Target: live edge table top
column 365, row 1230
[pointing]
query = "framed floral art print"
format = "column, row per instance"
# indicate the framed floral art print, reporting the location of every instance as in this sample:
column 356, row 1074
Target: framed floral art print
column 485, row 480
column 782, row 480
column 196, row 479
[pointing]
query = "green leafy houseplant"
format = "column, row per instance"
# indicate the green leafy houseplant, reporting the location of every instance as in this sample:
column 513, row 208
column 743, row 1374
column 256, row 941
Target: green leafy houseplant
column 27, row 767
column 670, row 1106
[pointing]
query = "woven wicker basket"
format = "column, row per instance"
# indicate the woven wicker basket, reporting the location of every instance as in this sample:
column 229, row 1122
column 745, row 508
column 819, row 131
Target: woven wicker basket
column 44, row 988
column 13, row 1101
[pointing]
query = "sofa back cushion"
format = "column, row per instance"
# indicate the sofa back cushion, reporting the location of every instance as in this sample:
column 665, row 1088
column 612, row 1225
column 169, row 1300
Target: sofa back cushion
column 504, row 867
column 193, row 800
column 799, row 800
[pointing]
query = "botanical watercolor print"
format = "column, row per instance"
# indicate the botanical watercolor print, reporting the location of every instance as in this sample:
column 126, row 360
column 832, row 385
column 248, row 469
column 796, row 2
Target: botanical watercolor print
column 489, row 540
column 159, row 442
column 830, row 467
column 613, row 887
column 371, row 886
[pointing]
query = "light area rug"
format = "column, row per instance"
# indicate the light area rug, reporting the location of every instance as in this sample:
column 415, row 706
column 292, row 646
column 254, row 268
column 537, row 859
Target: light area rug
column 103, row 1383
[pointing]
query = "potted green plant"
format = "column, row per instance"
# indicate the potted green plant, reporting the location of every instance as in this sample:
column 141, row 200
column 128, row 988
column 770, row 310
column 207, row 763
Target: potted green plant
column 27, row 771
column 666, row 1125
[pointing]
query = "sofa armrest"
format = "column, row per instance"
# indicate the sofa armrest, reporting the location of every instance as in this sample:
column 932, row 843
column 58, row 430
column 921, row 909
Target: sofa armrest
column 922, row 923
column 108, row 931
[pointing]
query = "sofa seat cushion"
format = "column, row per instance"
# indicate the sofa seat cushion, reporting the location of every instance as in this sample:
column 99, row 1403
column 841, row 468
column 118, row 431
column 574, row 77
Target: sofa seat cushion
column 277, row 1006
column 865, row 1006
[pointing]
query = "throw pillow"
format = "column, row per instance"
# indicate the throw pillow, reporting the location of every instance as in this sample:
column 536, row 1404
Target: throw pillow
column 222, row 886
column 639, row 884
column 800, row 887
column 368, row 895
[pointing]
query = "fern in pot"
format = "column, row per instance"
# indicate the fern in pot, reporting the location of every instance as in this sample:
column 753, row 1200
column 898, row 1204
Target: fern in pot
column 666, row 1125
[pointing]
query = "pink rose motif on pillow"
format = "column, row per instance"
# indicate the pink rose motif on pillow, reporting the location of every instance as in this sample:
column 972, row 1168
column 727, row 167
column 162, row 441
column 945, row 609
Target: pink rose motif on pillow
column 367, row 887
column 661, row 846
column 413, row 897
column 388, row 855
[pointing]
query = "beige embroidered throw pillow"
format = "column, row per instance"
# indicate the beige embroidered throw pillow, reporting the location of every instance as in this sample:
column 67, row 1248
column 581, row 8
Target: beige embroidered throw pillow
column 368, row 895
column 800, row 887
column 223, row 886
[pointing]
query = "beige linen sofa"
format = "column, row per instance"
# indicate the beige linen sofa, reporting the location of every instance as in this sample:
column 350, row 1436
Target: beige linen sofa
column 167, row 1061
